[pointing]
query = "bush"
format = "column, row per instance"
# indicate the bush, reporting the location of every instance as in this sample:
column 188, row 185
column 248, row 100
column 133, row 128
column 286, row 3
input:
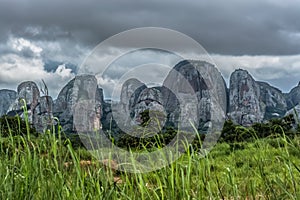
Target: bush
column 140, row 143
column 273, row 128
column 15, row 126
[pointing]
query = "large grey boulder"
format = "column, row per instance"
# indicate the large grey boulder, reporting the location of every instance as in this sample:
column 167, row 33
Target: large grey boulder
column 39, row 109
column 253, row 101
column 137, row 103
column 245, row 105
column 293, row 100
column 130, row 92
column 44, row 114
column 150, row 104
column 7, row 97
column 201, row 94
column 274, row 100
column 79, row 105
column 123, row 111
column 28, row 97
column 293, row 97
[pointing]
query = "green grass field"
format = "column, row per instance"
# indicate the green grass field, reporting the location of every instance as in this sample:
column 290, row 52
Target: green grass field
column 48, row 167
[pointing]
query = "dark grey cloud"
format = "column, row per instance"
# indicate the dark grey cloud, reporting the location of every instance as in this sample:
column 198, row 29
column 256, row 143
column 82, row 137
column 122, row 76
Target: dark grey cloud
column 58, row 35
column 223, row 27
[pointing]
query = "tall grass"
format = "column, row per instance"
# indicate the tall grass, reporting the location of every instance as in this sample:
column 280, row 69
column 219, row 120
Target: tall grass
column 48, row 167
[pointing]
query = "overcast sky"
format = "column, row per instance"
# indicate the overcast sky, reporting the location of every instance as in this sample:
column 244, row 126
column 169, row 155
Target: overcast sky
column 48, row 40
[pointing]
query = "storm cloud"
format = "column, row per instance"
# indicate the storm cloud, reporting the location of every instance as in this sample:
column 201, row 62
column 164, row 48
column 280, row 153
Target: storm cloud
column 52, row 38
column 231, row 27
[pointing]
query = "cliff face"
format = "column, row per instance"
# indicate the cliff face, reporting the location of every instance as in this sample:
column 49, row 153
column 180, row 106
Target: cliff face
column 28, row 95
column 130, row 93
column 254, row 101
column 7, row 97
column 193, row 91
column 245, row 105
column 80, row 104
column 39, row 108
column 199, row 87
column 293, row 97
column 274, row 101
column 44, row 114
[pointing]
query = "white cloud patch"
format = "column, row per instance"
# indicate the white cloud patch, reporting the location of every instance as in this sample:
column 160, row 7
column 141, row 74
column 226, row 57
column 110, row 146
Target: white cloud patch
column 20, row 44
column 16, row 68
column 25, row 61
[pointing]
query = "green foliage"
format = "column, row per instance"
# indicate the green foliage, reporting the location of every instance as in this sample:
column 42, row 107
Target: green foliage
column 35, row 168
column 235, row 133
column 258, row 162
column 143, row 142
column 15, row 126
column 275, row 127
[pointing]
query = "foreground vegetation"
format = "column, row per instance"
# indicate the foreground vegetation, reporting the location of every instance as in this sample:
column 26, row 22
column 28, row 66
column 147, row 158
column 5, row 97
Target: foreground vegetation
column 49, row 166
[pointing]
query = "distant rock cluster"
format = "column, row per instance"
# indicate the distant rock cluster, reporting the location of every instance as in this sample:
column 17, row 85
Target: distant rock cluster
column 27, row 98
column 194, row 91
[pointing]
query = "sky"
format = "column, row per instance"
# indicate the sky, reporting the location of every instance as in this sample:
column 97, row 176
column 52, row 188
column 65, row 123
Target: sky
column 50, row 40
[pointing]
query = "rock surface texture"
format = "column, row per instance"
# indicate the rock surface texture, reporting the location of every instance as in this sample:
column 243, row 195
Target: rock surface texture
column 193, row 92
column 253, row 101
column 245, row 105
column 7, row 97
column 28, row 96
column 199, row 87
column 293, row 97
column 44, row 114
column 274, row 101
column 79, row 105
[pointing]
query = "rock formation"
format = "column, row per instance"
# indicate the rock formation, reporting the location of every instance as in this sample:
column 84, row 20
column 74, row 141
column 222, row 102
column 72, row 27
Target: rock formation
column 293, row 97
column 253, row 101
column 39, row 109
column 130, row 92
column 193, row 91
column 274, row 101
column 80, row 101
column 200, row 87
column 28, row 97
column 44, row 114
column 150, row 100
column 245, row 106
column 137, row 101
column 7, row 97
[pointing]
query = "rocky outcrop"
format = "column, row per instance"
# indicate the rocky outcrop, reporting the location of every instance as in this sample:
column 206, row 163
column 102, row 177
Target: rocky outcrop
column 130, row 92
column 139, row 106
column 150, row 109
column 44, row 114
column 253, row 101
column 245, row 105
column 7, row 97
column 293, row 97
column 28, row 97
column 39, row 109
column 201, row 89
column 193, row 91
column 274, row 101
column 79, row 105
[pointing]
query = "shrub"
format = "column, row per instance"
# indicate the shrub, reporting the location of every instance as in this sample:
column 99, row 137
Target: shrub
column 15, row 126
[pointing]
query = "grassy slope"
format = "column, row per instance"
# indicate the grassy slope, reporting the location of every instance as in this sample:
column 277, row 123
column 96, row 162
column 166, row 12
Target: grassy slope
column 264, row 169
